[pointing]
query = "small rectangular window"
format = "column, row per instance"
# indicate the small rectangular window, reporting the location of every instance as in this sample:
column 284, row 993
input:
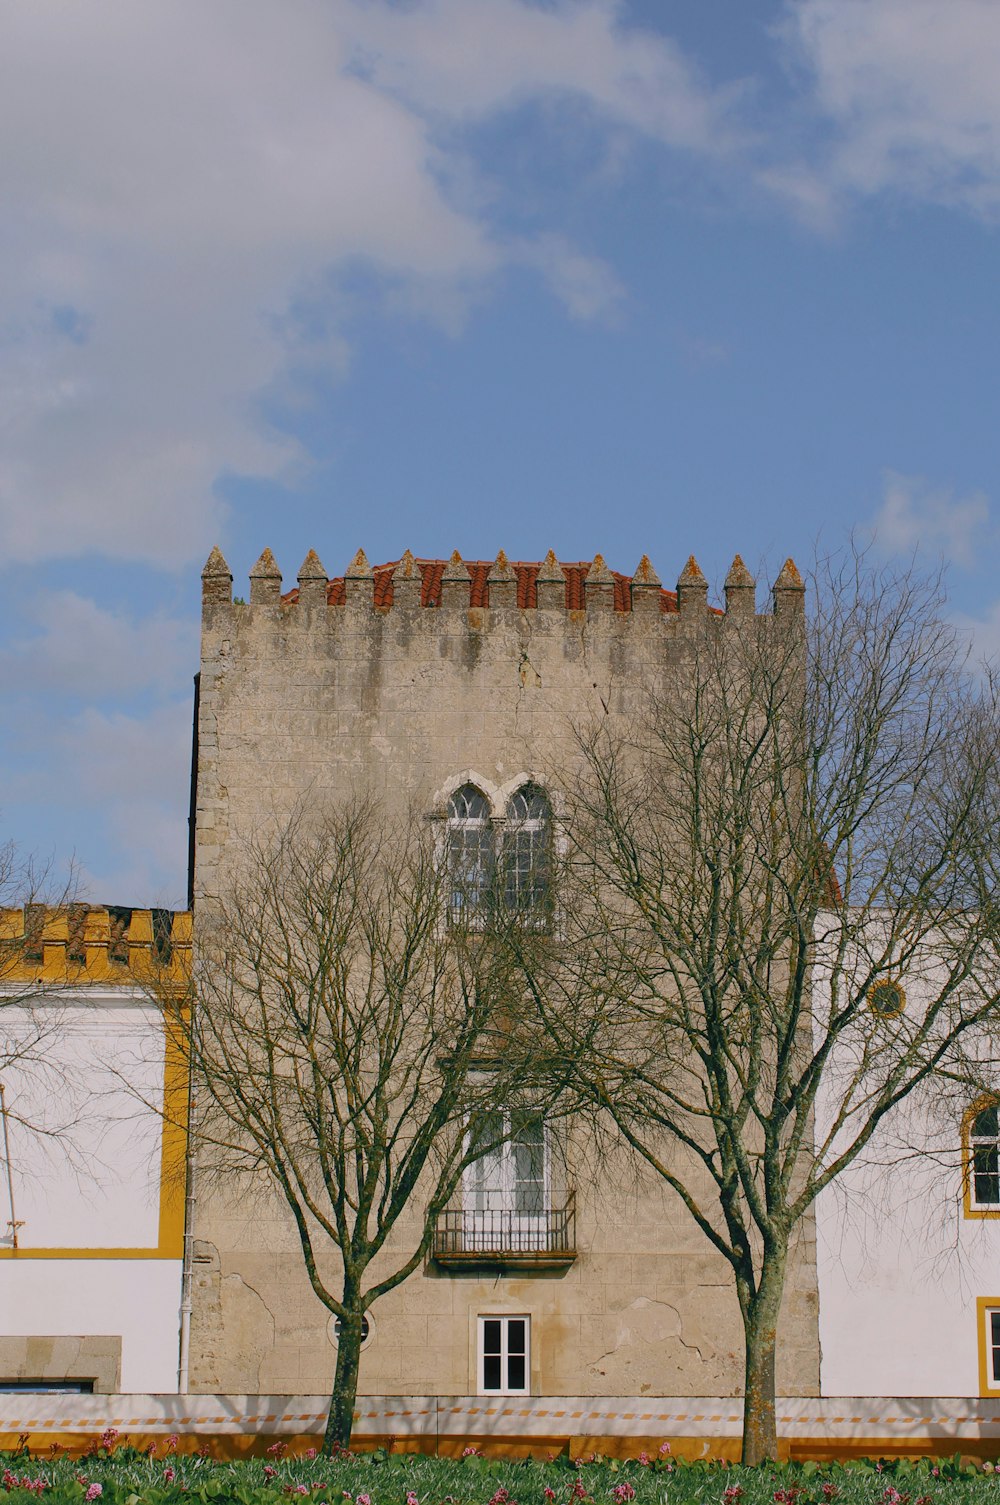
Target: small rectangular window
column 981, row 1134
column 504, row 1355
column 989, row 1345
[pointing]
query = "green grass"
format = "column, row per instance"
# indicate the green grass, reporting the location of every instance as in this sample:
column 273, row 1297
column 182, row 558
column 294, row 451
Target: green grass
column 127, row 1477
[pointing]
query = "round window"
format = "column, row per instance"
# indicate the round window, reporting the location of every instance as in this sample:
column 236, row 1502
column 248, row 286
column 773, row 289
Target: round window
column 886, row 998
column 334, row 1325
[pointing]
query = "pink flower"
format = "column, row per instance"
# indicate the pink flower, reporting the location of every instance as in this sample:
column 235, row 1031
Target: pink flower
column 93, row 1491
column 363, row 1500
column 301, row 1489
column 269, row 1472
column 644, row 1458
column 169, row 1474
column 277, row 1449
column 733, row 1494
column 623, row 1493
column 109, row 1437
column 411, row 1498
column 311, row 1452
column 173, row 1442
column 549, row 1494
column 664, row 1447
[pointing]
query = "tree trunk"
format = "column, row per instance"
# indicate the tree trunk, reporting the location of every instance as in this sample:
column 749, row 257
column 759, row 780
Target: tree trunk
column 340, row 1419
column 760, row 1326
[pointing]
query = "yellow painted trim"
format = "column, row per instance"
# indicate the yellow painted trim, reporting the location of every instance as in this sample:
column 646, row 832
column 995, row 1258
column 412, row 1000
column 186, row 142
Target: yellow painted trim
column 975, row 1213
column 173, row 1169
column 173, row 1155
column 987, row 1388
column 824, row 1448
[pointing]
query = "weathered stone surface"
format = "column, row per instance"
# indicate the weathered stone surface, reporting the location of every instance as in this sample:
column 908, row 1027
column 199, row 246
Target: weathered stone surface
column 402, row 700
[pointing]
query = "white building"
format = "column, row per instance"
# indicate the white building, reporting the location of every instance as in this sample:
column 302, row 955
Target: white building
column 93, row 1180
column 908, row 1236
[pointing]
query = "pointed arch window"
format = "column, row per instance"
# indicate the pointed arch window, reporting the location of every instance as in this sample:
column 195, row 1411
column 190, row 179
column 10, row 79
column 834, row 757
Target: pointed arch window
column 471, row 863
column 527, row 853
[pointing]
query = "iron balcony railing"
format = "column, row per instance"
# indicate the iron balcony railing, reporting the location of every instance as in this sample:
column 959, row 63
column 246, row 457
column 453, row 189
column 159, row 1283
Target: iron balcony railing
column 493, row 1228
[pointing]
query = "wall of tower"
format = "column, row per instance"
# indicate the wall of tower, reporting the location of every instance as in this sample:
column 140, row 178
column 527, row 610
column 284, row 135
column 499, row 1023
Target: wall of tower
column 406, row 681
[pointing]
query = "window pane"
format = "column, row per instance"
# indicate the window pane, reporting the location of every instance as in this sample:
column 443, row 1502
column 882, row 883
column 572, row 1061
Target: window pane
column 515, row 1372
column 528, row 803
column 529, row 1166
column 516, row 1332
column 995, row 1346
column 470, row 866
column 526, row 881
column 468, row 804
column 491, row 1337
column 986, row 1175
column 491, row 1372
column 985, row 1124
column 485, row 1175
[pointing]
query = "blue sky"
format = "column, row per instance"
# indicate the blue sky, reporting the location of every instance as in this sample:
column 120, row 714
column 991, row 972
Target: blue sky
column 619, row 275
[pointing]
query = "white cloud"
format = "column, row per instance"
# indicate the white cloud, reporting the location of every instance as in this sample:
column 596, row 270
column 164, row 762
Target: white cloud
column 177, row 177
column 586, row 287
column 915, row 515
column 983, row 634
column 134, row 769
column 910, row 89
column 467, row 61
column 83, row 649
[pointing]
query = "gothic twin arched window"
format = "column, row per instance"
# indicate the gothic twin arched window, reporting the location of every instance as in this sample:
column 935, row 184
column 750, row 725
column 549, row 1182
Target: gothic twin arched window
column 499, row 861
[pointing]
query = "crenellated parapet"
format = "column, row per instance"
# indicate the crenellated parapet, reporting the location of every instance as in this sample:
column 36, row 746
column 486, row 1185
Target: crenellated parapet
column 77, row 944
column 500, row 585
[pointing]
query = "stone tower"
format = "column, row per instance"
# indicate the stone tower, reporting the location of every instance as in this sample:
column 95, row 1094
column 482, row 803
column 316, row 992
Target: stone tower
column 416, row 680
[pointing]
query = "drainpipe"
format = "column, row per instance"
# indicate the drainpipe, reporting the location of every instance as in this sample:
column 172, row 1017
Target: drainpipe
column 187, row 1270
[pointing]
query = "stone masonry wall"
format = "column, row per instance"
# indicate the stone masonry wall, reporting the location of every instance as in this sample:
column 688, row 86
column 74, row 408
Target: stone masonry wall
column 408, row 683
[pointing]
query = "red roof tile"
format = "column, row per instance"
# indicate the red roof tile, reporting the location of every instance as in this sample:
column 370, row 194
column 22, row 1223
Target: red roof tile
column 526, row 574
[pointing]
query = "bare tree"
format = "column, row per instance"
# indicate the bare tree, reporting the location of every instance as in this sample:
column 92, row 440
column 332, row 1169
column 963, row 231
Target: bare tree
column 348, row 1043
column 808, row 824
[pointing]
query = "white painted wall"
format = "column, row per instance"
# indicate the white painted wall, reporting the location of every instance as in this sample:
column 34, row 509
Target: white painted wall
column 85, row 1155
column 899, row 1265
column 899, row 1273
column 137, row 1300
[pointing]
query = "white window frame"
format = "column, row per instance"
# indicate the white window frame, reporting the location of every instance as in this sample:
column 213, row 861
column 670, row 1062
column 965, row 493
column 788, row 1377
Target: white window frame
column 504, row 1319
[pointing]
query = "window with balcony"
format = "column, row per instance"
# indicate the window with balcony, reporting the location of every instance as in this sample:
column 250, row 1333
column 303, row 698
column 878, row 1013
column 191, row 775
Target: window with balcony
column 510, row 1208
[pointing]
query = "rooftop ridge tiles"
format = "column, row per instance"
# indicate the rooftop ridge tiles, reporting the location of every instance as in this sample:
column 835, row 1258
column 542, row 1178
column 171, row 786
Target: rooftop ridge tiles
column 524, row 571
